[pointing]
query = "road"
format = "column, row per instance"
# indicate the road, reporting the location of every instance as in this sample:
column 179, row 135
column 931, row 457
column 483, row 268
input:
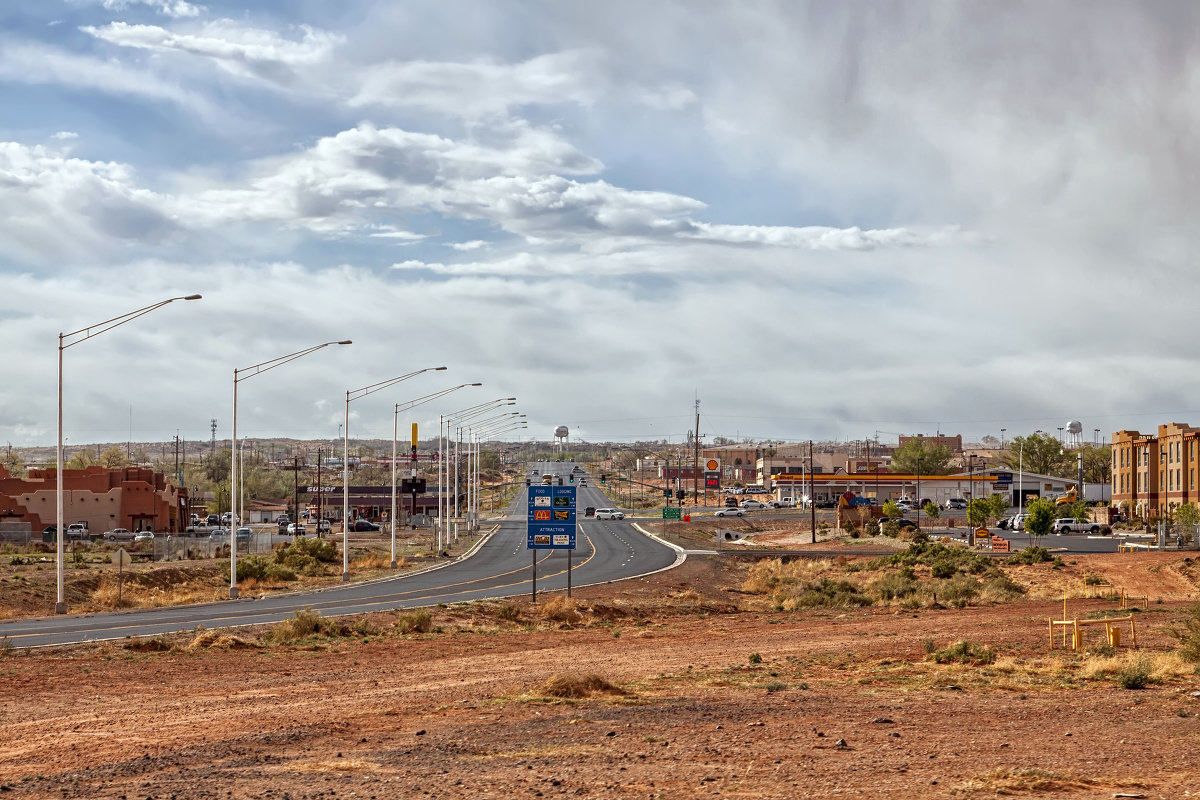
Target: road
column 502, row 567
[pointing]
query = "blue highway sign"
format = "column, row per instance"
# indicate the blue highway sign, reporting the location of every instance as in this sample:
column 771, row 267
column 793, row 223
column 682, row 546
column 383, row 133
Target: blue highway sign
column 551, row 519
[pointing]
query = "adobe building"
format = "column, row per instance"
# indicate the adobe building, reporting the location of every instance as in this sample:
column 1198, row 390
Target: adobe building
column 127, row 497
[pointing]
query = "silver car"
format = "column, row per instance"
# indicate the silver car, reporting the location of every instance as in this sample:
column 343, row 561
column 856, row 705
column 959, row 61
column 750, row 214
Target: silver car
column 119, row 535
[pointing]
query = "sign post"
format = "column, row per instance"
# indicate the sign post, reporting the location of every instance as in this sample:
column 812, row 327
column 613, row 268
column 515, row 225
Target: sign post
column 122, row 560
column 550, row 524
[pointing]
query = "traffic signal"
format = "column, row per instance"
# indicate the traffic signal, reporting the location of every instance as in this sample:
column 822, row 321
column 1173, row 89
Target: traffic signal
column 603, row 478
column 572, row 479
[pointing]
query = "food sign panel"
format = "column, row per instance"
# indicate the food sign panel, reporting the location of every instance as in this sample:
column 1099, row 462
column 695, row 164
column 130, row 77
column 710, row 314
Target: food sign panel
column 550, row 522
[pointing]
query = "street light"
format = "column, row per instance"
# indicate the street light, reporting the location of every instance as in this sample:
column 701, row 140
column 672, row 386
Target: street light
column 515, row 422
column 82, row 335
column 234, row 514
column 444, row 448
column 358, row 394
column 472, row 458
column 395, row 435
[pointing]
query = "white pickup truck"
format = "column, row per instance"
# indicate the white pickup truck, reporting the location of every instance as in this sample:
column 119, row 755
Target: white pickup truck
column 1073, row 525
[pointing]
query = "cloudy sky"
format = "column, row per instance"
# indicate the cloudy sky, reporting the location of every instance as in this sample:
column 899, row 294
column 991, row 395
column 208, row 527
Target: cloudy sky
column 822, row 219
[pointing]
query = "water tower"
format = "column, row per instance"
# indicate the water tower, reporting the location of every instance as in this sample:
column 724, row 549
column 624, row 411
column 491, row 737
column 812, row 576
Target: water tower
column 561, row 433
column 1074, row 434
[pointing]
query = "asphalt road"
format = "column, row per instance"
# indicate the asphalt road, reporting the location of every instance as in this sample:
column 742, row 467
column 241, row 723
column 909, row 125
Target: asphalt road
column 502, row 567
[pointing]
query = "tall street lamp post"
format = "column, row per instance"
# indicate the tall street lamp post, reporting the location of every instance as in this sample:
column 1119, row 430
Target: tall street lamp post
column 477, row 435
column 395, row 435
column 240, row 375
column 66, row 340
column 472, row 463
column 357, row 394
column 445, row 421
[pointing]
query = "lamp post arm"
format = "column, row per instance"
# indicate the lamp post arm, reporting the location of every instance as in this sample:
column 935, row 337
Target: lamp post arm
column 108, row 324
column 422, row 400
column 355, row 394
column 258, row 369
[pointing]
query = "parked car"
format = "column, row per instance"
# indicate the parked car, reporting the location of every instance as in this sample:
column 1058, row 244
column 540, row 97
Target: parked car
column 243, row 534
column 1017, row 523
column 733, row 511
column 363, row 525
column 219, row 535
column 827, row 504
column 753, row 505
column 77, row 530
column 119, row 535
column 213, row 520
column 323, row 526
column 731, row 502
column 609, row 513
column 783, row 502
column 956, row 503
column 295, row 529
column 1003, row 524
column 900, row 522
column 1073, row 525
column 143, row 536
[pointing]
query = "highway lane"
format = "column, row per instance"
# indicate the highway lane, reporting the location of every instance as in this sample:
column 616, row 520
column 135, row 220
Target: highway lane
column 502, row 567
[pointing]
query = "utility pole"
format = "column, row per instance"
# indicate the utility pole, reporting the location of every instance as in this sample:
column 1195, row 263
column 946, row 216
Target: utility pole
column 696, row 453
column 212, row 446
column 812, row 491
column 296, row 490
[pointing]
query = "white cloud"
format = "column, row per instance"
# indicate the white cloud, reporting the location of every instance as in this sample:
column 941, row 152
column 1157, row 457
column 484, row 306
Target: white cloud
column 238, row 49
column 169, row 8
column 480, row 87
column 53, row 207
column 32, row 63
column 474, row 244
column 64, row 135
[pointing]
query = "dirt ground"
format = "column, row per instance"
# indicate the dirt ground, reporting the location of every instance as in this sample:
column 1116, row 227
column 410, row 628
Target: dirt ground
column 695, row 693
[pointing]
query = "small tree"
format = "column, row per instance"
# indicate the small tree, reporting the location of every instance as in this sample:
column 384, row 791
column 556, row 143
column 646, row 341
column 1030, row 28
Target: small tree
column 1187, row 517
column 1041, row 516
column 931, row 510
column 978, row 511
column 999, row 506
column 890, row 509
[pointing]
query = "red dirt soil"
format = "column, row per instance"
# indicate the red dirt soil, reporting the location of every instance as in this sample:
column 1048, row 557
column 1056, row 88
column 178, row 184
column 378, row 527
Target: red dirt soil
column 842, row 703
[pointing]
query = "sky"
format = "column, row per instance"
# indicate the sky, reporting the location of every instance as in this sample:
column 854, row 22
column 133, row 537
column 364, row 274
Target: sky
column 821, row 220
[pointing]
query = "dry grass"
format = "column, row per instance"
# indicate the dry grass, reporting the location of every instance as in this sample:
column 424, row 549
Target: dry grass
column 767, row 576
column 373, row 560
column 339, row 765
column 220, row 639
column 573, row 686
column 562, row 610
column 688, row 596
column 1159, row 666
column 1012, row 781
column 138, row 594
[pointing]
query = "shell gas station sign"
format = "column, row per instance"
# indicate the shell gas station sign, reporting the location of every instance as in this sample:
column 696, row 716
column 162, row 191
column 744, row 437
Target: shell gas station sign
column 712, row 473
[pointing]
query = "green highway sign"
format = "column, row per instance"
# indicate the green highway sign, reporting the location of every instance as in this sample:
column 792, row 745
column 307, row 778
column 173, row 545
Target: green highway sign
column 672, row 512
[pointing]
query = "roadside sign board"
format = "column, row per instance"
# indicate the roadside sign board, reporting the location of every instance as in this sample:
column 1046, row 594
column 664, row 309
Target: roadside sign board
column 672, row 512
column 550, row 524
column 712, row 480
column 121, row 558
